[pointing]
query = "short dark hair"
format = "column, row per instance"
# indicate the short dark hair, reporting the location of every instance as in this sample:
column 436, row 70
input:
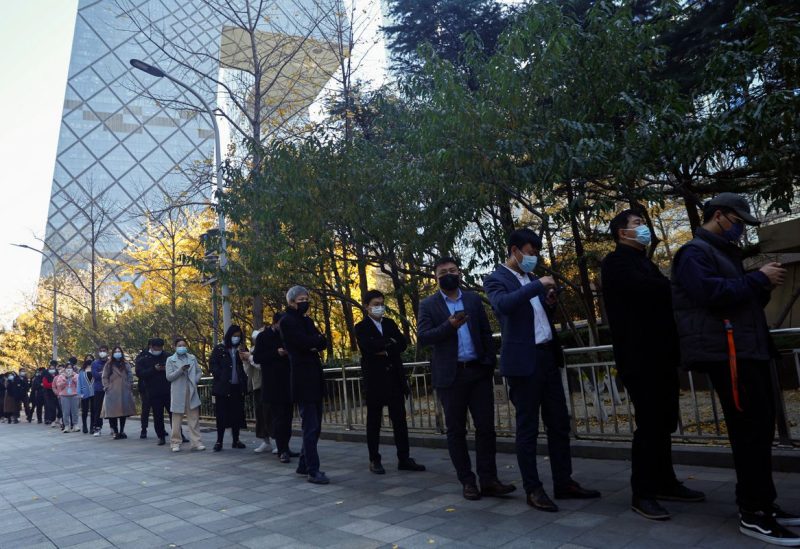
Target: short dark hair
column 621, row 220
column 179, row 338
column 444, row 261
column 372, row 294
column 708, row 211
column 520, row 237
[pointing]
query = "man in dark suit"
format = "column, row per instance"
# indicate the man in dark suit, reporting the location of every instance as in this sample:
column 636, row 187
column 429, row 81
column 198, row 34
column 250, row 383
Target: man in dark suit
column 381, row 345
column 455, row 324
column 530, row 360
column 647, row 355
column 304, row 343
column 152, row 374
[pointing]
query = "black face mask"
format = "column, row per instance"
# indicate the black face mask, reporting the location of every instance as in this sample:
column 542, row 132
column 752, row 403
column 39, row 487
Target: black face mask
column 302, row 307
column 449, row 282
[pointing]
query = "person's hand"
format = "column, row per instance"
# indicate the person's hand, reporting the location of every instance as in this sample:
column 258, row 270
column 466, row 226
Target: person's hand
column 457, row 321
column 548, row 282
column 185, row 367
column 775, row 273
column 282, row 351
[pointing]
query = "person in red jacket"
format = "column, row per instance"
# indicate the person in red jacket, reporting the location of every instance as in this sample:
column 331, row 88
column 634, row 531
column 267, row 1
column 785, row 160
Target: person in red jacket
column 50, row 398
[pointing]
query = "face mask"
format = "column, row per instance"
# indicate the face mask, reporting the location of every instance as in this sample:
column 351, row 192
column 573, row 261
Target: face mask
column 528, row 263
column 10, row 378
column 23, row 374
column 70, row 371
column 235, row 340
column 377, row 311
column 51, row 371
column 302, row 307
column 155, row 353
column 181, row 350
column 118, row 356
column 643, row 235
column 734, row 234
column 449, row 282
column 103, row 354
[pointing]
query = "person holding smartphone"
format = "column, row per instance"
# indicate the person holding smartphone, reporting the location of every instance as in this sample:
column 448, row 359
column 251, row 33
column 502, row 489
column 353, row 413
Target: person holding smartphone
column 230, row 386
column 454, row 322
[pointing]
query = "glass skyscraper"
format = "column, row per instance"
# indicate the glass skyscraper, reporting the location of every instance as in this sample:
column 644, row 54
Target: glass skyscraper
column 116, row 148
column 119, row 150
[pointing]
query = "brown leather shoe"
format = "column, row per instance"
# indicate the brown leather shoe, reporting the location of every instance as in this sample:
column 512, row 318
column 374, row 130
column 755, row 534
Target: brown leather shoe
column 496, row 488
column 573, row 490
column 471, row 492
column 538, row 499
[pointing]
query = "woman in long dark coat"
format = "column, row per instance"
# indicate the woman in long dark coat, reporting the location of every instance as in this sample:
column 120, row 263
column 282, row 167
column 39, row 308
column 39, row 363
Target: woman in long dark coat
column 118, row 403
column 230, row 386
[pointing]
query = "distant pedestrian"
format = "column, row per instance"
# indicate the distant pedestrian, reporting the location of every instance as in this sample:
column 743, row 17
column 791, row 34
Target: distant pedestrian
column 12, row 398
column 66, row 385
column 37, row 394
column 99, row 393
column 254, row 379
column 118, row 403
column 230, row 385
column 184, row 375
column 86, row 392
column 48, row 394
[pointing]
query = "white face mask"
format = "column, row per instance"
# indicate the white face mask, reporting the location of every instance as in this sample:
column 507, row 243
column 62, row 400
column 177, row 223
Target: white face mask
column 155, row 353
column 103, row 354
column 235, row 340
column 377, row 311
column 10, row 378
column 70, row 371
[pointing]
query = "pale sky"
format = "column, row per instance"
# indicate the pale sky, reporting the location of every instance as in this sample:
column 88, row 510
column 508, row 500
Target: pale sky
column 35, row 41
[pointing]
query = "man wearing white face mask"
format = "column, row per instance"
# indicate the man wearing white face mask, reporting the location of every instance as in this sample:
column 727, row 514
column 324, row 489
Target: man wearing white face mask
column 633, row 283
column 530, row 360
column 381, row 345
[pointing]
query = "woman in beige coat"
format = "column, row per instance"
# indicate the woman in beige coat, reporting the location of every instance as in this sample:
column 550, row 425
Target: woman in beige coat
column 184, row 375
column 118, row 403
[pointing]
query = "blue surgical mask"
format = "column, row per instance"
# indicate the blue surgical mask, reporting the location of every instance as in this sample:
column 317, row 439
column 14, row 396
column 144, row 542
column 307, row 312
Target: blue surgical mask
column 734, row 234
column 528, row 262
column 155, row 353
column 235, row 340
column 118, row 356
column 181, row 350
column 643, row 235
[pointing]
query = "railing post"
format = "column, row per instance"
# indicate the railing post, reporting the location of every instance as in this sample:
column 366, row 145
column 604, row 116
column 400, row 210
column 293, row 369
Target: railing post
column 784, row 435
column 348, row 416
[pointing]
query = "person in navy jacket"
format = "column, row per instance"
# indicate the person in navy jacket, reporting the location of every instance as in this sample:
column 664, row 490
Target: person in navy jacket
column 99, row 391
column 530, row 360
column 455, row 324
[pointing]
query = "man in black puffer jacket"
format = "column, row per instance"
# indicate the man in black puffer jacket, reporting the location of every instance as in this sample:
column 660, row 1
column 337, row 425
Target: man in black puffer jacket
column 151, row 371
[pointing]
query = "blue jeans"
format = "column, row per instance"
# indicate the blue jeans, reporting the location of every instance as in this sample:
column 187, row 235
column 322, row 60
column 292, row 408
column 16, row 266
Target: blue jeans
column 543, row 390
column 311, row 424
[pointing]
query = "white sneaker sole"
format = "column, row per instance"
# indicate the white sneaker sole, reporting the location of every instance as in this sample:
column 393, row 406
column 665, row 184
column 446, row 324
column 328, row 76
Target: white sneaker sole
column 788, row 521
column 766, row 538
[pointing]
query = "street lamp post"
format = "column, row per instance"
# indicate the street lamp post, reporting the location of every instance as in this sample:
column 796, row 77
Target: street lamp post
column 55, row 294
column 223, row 248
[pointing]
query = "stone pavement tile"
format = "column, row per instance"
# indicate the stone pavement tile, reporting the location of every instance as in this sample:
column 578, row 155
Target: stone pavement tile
column 270, row 540
column 96, row 544
column 727, row 535
column 369, row 511
column 11, row 539
column 362, row 526
column 492, row 537
column 428, row 541
column 528, row 543
column 214, row 542
column 184, row 533
column 77, row 539
column 580, row 519
column 555, row 532
column 456, row 529
column 399, row 517
column 609, row 539
column 391, row 534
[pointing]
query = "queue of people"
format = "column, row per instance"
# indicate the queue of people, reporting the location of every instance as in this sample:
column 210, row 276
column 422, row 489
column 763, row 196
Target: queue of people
column 707, row 316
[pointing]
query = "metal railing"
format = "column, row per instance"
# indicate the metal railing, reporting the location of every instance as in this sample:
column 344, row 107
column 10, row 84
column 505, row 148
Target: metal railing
column 599, row 406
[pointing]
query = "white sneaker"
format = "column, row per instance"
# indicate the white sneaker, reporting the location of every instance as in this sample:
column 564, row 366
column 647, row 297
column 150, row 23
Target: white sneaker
column 275, row 450
column 97, row 433
column 199, row 448
column 76, row 429
column 264, row 447
column 176, row 448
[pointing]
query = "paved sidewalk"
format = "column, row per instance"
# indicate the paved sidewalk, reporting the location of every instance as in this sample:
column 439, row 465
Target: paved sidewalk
column 73, row 490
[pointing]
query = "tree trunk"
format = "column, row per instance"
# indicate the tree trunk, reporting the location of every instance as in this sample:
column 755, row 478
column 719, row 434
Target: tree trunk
column 583, row 268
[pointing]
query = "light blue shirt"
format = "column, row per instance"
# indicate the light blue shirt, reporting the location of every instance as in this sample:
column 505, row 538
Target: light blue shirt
column 466, row 349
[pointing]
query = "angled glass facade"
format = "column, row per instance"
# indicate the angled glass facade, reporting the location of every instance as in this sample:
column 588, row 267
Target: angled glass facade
column 116, row 147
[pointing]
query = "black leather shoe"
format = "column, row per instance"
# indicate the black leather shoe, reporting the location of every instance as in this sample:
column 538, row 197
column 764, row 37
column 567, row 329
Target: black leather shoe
column 471, row 492
column 409, row 465
column 377, row 468
column 649, row 508
column 123, row 435
column 238, row 444
column 496, row 488
column 679, row 492
column 538, row 499
column 284, row 458
column 143, row 435
column 218, row 447
column 573, row 490
column 301, row 470
column 162, row 441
